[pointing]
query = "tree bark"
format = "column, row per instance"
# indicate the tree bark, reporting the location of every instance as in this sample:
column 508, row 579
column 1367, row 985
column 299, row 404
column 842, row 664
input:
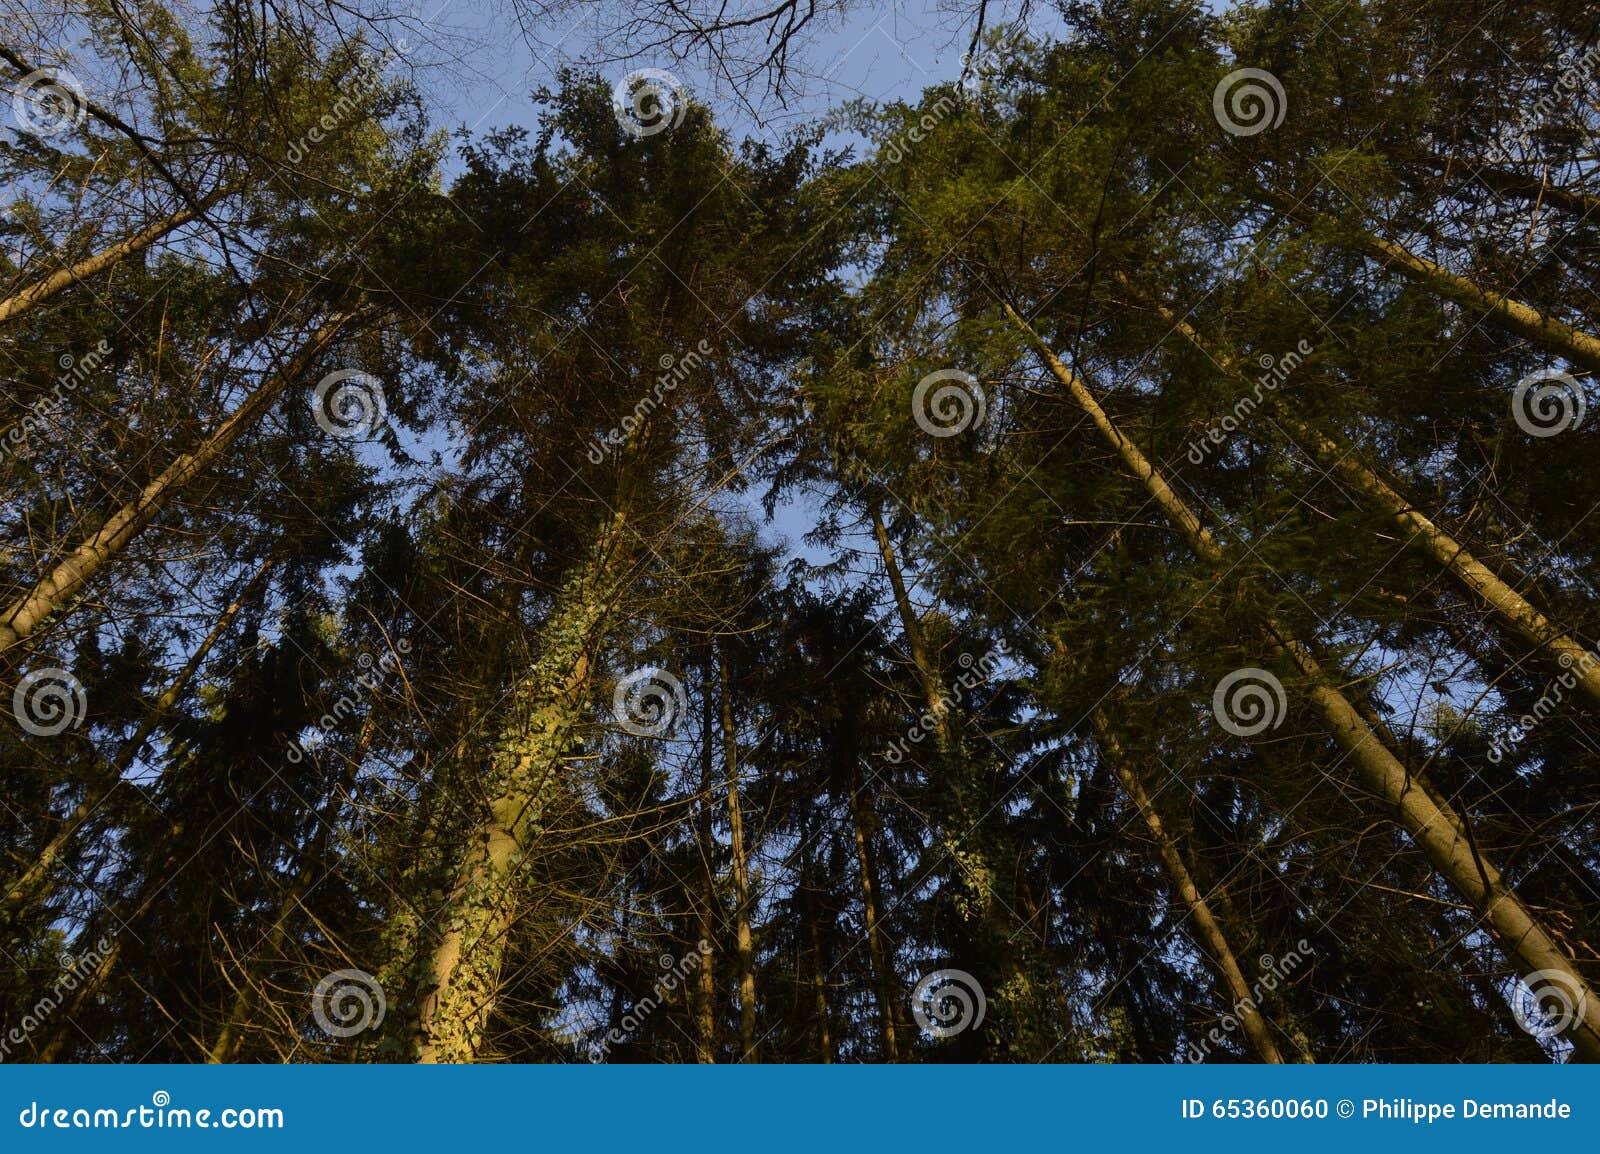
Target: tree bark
column 922, row 662
column 1559, row 337
column 819, row 976
column 1514, row 610
column 705, row 975
column 55, row 591
column 41, row 290
column 464, row 971
column 1435, row 828
column 1254, row 1023
column 741, row 878
column 877, row 945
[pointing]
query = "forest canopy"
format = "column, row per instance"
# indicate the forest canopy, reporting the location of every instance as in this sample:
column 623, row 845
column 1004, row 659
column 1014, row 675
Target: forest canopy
column 1082, row 561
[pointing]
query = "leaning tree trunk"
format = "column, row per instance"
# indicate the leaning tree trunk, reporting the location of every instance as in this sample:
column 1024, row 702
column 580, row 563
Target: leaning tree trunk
column 55, row 592
column 741, row 878
column 28, row 885
column 923, row 665
column 1556, row 335
column 41, row 290
column 1255, row 1024
column 1514, row 610
column 819, row 973
column 1436, row 829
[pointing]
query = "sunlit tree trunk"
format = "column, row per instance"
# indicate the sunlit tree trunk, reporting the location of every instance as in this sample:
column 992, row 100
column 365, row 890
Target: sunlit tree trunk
column 463, row 979
column 741, row 878
column 1251, row 1019
column 35, row 294
column 1557, row 336
column 56, row 591
column 1513, row 609
column 1437, row 830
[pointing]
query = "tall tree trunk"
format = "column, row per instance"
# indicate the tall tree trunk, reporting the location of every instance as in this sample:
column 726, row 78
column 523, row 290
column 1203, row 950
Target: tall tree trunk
column 922, row 662
column 706, row 974
column 1017, row 992
column 877, row 944
column 1255, row 1024
column 1436, row 829
column 741, row 878
column 55, row 592
column 55, row 1047
column 41, row 290
column 464, row 971
column 1513, row 609
column 819, row 973
column 1559, row 337
column 28, row 885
